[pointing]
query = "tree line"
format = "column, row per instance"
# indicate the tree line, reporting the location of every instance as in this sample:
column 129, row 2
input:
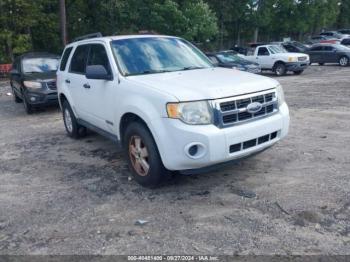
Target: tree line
column 212, row 24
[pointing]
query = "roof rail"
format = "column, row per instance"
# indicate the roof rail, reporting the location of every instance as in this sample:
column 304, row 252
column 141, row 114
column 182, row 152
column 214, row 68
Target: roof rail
column 93, row 35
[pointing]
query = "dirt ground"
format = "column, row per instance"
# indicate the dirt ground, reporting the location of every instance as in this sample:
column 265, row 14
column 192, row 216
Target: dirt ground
column 60, row 196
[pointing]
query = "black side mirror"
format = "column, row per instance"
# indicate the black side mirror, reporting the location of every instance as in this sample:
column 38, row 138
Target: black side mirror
column 14, row 72
column 97, row 72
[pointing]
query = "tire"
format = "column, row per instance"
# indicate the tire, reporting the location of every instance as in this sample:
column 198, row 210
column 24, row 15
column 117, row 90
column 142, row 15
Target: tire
column 73, row 129
column 321, row 64
column 27, row 106
column 143, row 156
column 298, row 72
column 344, row 61
column 15, row 96
column 280, row 69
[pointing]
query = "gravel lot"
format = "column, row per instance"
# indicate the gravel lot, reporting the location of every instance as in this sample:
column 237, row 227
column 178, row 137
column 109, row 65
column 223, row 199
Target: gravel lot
column 60, row 196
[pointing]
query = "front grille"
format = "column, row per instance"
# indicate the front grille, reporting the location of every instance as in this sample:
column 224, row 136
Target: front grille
column 233, row 111
column 302, row 58
column 252, row 143
column 51, row 85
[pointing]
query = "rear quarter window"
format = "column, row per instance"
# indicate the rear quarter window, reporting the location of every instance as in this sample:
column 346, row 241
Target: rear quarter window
column 65, row 57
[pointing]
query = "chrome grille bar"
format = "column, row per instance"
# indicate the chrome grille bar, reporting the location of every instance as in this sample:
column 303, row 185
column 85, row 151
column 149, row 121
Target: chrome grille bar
column 233, row 111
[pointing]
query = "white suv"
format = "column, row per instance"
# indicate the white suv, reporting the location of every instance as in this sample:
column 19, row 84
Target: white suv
column 162, row 100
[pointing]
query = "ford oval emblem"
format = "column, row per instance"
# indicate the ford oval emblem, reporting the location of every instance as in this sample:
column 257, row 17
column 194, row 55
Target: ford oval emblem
column 254, row 107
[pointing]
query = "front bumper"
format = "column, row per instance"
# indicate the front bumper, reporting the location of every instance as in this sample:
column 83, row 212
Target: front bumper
column 297, row 66
column 41, row 98
column 174, row 138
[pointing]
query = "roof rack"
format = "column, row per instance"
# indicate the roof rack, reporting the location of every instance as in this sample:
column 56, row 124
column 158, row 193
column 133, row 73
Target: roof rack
column 93, row 35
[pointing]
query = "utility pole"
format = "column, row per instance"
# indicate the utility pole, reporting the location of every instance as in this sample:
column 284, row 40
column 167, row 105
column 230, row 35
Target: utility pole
column 63, row 22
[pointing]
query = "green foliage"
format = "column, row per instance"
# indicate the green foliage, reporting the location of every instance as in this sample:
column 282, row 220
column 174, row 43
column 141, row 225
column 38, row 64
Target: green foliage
column 34, row 25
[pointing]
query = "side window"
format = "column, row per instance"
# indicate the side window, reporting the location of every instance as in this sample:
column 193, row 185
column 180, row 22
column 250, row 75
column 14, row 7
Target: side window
column 78, row 62
column 316, row 48
column 98, row 56
column 263, row 51
column 65, row 57
column 328, row 48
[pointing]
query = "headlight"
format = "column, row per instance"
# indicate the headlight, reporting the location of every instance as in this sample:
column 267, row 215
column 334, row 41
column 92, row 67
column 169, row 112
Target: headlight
column 280, row 95
column 192, row 113
column 32, row 84
column 292, row 59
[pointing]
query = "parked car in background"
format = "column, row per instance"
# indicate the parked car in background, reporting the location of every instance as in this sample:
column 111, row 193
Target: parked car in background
column 5, row 70
column 33, row 80
column 230, row 59
column 346, row 42
column 329, row 53
column 295, row 47
column 344, row 31
column 278, row 60
column 323, row 39
column 333, row 34
column 166, row 104
column 240, row 50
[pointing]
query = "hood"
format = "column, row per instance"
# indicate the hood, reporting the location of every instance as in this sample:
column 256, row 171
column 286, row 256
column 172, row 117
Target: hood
column 40, row 77
column 292, row 54
column 210, row 83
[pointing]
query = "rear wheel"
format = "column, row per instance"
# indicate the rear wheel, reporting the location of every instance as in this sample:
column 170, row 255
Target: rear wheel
column 73, row 129
column 344, row 61
column 143, row 156
column 298, row 72
column 280, row 69
column 321, row 64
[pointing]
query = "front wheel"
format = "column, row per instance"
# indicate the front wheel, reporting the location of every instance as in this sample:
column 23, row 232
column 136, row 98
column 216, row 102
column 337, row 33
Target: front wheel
column 143, row 157
column 27, row 106
column 15, row 96
column 73, row 129
column 344, row 61
column 298, row 72
column 280, row 69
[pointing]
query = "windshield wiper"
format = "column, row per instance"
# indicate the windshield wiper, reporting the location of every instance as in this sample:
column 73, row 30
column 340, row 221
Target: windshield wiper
column 146, row 72
column 192, row 68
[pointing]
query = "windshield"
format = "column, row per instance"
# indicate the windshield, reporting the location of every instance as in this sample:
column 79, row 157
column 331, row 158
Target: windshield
column 40, row 65
column 229, row 58
column 343, row 48
column 152, row 55
column 276, row 49
column 300, row 45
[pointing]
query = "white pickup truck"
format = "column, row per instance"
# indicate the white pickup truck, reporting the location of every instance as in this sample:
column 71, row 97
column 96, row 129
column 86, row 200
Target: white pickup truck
column 165, row 103
column 278, row 60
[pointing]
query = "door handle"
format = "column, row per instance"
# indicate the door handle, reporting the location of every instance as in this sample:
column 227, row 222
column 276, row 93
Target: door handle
column 67, row 81
column 86, row 86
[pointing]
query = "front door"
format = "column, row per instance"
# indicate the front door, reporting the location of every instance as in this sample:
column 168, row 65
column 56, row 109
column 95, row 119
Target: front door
column 263, row 58
column 100, row 96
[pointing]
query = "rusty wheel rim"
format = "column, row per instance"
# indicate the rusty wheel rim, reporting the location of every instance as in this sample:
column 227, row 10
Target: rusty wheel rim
column 138, row 154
